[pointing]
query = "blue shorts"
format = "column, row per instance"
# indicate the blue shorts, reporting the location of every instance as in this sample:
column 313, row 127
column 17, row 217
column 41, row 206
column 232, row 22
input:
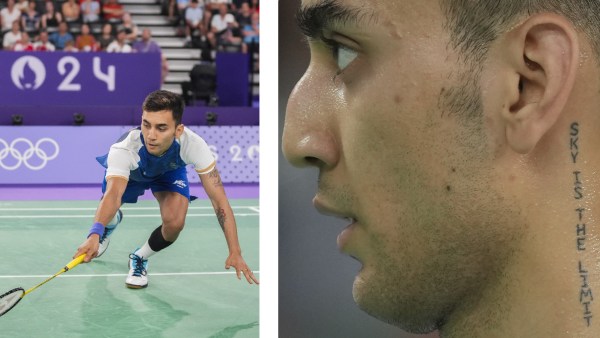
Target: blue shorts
column 175, row 180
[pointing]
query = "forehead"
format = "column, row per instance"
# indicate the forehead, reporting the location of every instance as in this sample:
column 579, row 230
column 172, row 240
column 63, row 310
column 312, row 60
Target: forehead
column 378, row 18
column 159, row 117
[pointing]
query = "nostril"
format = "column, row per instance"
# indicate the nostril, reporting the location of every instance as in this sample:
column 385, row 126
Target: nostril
column 310, row 160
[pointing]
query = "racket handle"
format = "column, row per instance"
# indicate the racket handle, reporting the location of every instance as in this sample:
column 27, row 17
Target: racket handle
column 74, row 262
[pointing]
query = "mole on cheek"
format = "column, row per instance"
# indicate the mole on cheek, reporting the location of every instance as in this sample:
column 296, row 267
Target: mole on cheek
column 448, row 187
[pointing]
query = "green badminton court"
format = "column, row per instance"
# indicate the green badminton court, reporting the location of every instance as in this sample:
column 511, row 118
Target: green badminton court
column 190, row 294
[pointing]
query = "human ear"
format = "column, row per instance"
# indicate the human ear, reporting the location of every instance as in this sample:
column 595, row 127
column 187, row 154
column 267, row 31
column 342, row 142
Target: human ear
column 544, row 52
column 179, row 130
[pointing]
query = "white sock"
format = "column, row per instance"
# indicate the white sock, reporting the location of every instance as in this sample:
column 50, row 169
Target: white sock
column 144, row 252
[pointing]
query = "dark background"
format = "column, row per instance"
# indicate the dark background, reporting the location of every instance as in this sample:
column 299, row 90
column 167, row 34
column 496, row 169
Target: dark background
column 315, row 280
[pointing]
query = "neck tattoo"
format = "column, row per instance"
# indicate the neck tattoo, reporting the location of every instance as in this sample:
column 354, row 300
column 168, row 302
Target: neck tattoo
column 585, row 291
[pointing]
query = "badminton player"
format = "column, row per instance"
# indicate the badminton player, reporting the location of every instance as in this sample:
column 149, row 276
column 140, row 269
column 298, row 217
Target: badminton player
column 154, row 157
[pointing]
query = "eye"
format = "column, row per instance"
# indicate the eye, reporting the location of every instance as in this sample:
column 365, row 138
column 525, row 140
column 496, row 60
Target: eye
column 343, row 55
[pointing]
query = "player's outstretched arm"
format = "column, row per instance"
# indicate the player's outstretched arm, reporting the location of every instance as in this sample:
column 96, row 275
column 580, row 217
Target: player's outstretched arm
column 110, row 203
column 214, row 189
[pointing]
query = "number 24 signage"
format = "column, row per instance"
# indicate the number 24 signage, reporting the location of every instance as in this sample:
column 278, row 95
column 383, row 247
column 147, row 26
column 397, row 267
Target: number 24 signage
column 82, row 79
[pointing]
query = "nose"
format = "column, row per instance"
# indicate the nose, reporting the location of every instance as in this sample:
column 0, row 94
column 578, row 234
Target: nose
column 309, row 134
column 152, row 134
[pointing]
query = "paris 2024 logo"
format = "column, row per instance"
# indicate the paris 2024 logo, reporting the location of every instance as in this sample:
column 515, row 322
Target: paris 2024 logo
column 28, row 73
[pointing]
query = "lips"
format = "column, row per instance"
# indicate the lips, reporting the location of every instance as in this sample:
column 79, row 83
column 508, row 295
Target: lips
column 344, row 237
column 325, row 208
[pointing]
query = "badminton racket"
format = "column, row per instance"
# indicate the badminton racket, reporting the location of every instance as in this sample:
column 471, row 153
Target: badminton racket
column 11, row 298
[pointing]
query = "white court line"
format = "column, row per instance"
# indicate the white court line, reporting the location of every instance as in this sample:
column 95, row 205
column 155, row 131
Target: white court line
column 253, row 208
column 124, row 274
column 128, row 216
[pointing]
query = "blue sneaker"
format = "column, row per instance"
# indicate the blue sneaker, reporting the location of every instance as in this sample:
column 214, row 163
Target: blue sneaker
column 137, row 278
column 108, row 230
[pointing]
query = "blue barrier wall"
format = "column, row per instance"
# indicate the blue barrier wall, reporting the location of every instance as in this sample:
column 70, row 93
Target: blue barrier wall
column 107, row 88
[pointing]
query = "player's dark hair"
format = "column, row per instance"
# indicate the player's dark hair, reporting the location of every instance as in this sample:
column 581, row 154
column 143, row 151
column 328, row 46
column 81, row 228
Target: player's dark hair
column 165, row 100
column 474, row 25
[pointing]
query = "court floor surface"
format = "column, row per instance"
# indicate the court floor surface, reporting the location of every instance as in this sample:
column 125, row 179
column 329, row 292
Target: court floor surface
column 190, row 294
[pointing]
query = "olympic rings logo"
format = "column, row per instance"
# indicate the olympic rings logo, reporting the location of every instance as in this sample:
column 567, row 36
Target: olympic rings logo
column 24, row 157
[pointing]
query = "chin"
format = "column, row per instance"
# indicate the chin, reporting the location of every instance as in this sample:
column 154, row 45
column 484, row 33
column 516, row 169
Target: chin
column 154, row 151
column 386, row 302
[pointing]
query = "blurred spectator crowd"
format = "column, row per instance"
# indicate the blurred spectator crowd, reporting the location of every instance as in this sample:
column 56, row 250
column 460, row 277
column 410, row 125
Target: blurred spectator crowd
column 104, row 25
column 216, row 24
column 47, row 25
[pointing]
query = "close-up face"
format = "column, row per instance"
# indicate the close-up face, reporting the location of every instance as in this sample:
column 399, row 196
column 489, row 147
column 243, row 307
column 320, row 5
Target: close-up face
column 392, row 118
column 159, row 131
column 85, row 29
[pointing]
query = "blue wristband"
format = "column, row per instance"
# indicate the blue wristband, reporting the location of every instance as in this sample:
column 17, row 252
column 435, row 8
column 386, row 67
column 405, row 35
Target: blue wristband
column 97, row 229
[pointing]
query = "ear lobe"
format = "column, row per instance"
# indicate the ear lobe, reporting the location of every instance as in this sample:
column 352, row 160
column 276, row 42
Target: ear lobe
column 544, row 52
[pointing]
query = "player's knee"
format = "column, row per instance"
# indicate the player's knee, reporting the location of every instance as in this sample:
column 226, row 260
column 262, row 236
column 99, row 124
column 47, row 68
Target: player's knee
column 174, row 224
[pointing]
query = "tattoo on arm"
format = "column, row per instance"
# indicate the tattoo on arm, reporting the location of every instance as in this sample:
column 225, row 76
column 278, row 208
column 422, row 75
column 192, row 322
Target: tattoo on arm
column 585, row 291
column 221, row 218
column 215, row 178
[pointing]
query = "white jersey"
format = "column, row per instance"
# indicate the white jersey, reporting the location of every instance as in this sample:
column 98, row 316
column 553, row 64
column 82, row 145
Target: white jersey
column 129, row 158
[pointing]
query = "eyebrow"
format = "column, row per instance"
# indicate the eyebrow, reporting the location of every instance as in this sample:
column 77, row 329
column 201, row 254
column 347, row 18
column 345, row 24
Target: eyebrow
column 157, row 126
column 314, row 19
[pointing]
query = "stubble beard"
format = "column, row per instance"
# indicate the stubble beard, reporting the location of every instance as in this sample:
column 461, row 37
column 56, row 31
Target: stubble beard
column 419, row 295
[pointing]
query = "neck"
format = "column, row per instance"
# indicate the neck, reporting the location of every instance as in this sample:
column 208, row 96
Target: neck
column 547, row 288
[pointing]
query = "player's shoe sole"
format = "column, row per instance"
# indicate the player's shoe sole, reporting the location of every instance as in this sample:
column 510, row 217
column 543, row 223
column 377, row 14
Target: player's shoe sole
column 132, row 286
column 103, row 247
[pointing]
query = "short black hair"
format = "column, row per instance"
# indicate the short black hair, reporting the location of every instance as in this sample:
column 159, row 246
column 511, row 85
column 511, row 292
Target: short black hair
column 474, row 25
column 165, row 100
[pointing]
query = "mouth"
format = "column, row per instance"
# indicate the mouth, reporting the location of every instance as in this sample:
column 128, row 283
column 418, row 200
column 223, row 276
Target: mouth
column 343, row 239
